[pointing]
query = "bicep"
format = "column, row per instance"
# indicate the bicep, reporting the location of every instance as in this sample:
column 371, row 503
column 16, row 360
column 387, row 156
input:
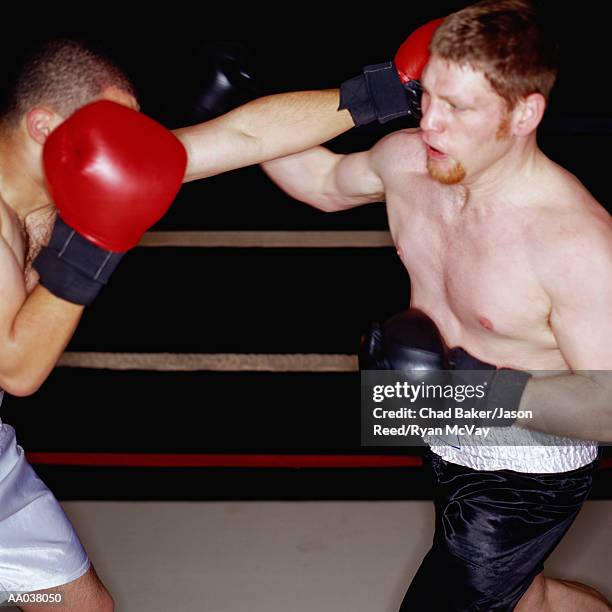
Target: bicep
column 326, row 180
column 356, row 178
column 363, row 175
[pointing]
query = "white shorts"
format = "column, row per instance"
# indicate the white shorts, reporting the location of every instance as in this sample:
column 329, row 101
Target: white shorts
column 39, row 548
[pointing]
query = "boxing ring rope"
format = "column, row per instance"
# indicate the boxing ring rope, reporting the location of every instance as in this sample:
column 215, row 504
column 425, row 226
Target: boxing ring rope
column 231, row 362
column 234, row 362
column 212, row 362
column 220, row 460
column 274, row 239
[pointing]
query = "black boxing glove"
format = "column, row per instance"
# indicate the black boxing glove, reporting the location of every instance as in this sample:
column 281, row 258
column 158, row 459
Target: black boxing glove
column 409, row 340
column 410, row 345
column 391, row 90
column 226, row 80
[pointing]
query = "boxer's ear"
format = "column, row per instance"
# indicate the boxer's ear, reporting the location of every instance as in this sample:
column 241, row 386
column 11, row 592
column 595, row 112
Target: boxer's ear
column 40, row 122
column 528, row 113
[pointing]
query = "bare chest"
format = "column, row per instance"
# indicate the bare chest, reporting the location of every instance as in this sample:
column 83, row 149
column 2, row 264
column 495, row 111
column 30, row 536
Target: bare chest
column 475, row 278
column 26, row 240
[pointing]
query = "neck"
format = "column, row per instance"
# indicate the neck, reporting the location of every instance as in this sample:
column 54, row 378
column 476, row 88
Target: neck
column 22, row 186
column 509, row 173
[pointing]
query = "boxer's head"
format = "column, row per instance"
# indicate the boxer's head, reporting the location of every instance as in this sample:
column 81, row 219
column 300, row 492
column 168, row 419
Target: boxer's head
column 45, row 88
column 57, row 78
column 509, row 41
column 492, row 68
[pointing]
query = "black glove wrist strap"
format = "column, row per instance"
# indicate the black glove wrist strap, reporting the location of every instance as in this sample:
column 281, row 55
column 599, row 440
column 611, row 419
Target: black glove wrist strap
column 377, row 94
column 73, row 268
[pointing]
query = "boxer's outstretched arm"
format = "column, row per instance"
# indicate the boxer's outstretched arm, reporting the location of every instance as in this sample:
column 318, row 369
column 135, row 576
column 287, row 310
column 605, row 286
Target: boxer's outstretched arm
column 266, row 128
column 283, row 124
column 578, row 403
column 34, row 329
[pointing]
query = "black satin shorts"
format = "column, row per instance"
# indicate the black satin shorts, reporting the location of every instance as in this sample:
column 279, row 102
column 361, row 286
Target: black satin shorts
column 494, row 530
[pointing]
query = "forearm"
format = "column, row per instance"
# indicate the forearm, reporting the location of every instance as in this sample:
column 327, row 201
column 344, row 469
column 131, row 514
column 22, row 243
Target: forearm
column 264, row 129
column 35, row 340
column 572, row 404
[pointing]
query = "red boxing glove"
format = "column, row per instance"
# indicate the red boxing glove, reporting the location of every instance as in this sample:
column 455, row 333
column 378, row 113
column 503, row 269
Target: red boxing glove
column 413, row 54
column 113, row 172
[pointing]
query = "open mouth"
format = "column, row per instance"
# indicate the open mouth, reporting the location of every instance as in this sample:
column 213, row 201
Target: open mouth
column 435, row 153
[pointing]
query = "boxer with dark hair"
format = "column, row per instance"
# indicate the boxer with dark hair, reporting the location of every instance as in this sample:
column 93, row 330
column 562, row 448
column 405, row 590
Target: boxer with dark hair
column 64, row 74
column 40, row 551
column 510, row 257
column 72, row 141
